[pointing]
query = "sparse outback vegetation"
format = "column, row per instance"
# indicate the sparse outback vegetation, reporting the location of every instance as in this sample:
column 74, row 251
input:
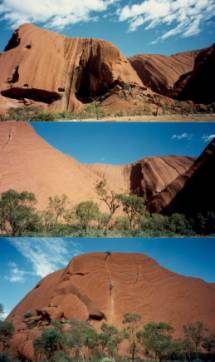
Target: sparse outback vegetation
column 94, row 110
column 80, row 341
column 20, row 217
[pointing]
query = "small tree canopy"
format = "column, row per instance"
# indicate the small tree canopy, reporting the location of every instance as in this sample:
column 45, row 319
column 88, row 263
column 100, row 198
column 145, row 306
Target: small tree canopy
column 86, row 212
column 133, row 206
column 195, row 333
column 17, row 212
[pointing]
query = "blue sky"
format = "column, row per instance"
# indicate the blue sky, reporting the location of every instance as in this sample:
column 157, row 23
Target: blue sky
column 24, row 261
column 135, row 26
column 120, row 143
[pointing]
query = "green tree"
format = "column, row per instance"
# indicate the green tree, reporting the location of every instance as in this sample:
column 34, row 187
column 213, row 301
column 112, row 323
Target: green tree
column 82, row 334
column 86, row 212
column 131, row 321
column 122, row 223
column 178, row 223
column 17, row 213
column 109, row 198
column 154, row 222
column 49, row 344
column 195, row 333
column 56, row 210
column 208, row 343
column 6, row 333
column 177, row 350
column 110, row 338
column 133, row 206
column 103, row 221
column 156, row 338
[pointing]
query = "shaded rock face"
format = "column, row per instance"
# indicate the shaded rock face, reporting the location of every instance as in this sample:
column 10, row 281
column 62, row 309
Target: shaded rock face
column 191, row 192
column 160, row 72
column 46, row 67
column 28, row 163
column 187, row 76
column 199, row 85
column 103, row 287
column 148, row 177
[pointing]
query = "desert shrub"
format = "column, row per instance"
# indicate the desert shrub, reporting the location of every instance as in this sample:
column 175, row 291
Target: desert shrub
column 17, row 213
column 44, row 116
column 121, row 223
column 27, row 315
column 178, row 223
column 154, row 222
column 133, row 206
column 86, row 212
column 103, row 220
column 49, row 343
column 6, row 333
column 94, row 110
column 23, row 113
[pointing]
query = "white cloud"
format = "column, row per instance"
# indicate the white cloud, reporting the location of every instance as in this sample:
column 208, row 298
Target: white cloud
column 54, row 13
column 46, row 255
column 182, row 17
column 16, row 275
column 181, row 136
column 208, row 138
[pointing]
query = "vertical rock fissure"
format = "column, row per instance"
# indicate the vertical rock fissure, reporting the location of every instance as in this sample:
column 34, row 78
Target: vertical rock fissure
column 110, row 288
column 9, row 138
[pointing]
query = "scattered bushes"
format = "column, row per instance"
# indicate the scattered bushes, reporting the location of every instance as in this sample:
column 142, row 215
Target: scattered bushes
column 94, row 110
column 19, row 217
column 80, row 341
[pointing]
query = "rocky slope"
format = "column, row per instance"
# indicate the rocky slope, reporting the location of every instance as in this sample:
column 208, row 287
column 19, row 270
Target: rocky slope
column 62, row 72
column 160, row 72
column 191, row 192
column 28, row 163
column 102, row 287
column 43, row 68
column 199, row 85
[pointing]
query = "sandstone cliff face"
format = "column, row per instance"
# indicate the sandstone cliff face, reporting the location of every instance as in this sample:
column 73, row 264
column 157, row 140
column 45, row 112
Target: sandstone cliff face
column 28, row 163
column 191, row 192
column 102, row 287
column 160, row 72
column 64, row 73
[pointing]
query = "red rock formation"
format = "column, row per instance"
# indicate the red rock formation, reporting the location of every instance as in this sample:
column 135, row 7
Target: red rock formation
column 160, row 72
column 191, row 192
column 199, row 86
column 28, row 163
column 63, row 72
column 102, row 287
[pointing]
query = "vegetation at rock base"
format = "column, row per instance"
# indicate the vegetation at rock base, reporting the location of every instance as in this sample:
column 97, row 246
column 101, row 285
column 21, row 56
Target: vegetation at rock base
column 78, row 341
column 20, row 217
column 95, row 110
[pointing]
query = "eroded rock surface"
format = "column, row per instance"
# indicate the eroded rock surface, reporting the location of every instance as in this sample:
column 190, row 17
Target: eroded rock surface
column 28, row 163
column 64, row 72
column 102, row 287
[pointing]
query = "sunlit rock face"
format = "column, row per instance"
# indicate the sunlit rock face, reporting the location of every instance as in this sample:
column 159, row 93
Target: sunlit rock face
column 102, row 287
